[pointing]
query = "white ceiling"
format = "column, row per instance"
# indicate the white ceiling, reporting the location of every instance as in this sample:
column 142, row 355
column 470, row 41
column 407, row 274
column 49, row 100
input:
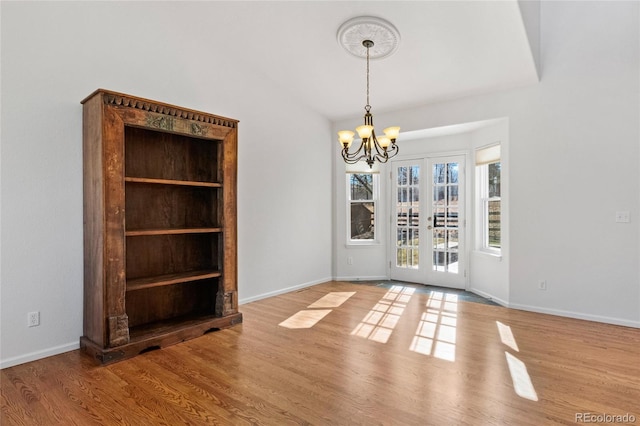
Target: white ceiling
column 448, row 49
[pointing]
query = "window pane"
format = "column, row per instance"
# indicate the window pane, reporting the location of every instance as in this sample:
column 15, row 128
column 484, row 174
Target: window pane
column 362, row 220
column 494, row 180
column 494, row 223
column 361, row 186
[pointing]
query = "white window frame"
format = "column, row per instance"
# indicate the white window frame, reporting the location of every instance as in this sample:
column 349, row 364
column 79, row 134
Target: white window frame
column 483, row 199
column 375, row 198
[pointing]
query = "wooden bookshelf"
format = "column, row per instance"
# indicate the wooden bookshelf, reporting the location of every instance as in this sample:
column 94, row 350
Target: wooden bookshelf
column 160, row 224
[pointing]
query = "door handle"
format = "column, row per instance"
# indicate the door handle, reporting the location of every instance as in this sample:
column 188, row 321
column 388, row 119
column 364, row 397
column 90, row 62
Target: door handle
column 429, row 227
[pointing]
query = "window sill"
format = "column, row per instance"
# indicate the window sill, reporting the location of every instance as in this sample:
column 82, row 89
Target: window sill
column 488, row 255
column 363, row 244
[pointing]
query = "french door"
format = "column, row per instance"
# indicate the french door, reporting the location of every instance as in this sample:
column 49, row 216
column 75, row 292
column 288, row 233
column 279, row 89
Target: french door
column 427, row 221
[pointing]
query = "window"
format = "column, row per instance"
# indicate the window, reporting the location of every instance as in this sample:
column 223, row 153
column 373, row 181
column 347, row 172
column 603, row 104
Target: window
column 362, row 194
column 488, row 176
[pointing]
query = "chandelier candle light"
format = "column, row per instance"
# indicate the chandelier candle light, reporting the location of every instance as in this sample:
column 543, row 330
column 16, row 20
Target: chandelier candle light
column 372, row 148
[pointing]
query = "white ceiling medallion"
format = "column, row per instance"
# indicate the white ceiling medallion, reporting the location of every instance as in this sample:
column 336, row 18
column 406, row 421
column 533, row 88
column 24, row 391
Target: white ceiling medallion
column 384, row 35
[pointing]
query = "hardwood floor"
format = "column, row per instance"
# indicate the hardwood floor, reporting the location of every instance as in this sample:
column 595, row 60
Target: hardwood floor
column 384, row 356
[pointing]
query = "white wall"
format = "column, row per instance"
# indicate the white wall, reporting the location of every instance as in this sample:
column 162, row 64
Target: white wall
column 573, row 162
column 53, row 55
column 489, row 274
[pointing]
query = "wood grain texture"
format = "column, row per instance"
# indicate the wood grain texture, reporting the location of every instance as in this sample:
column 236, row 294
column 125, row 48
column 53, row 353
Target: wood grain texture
column 264, row 374
column 158, row 245
column 93, row 218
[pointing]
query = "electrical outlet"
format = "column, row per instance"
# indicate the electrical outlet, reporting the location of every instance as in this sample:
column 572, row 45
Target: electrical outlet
column 542, row 285
column 349, row 260
column 33, row 319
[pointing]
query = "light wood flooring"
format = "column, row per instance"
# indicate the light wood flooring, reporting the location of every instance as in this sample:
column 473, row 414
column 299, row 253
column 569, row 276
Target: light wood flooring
column 379, row 356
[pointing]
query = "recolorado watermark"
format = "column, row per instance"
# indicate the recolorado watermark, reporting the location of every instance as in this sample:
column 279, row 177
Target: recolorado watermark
column 605, row 418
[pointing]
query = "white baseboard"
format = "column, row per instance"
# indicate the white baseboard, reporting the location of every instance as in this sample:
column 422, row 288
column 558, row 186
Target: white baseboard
column 361, row 278
column 33, row 356
column 242, row 301
column 489, row 296
column 576, row 315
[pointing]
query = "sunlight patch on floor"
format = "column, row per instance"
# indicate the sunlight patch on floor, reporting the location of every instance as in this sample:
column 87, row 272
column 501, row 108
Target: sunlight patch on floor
column 522, row 383
column 332, row 300
column 309, row 317
column 521, row 380
column 436, row 332
column 305, row 318
column 506, row 335
column 380, row 321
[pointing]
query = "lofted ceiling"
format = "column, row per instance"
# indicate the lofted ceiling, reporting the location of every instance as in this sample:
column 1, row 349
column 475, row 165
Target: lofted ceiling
column 448, row 50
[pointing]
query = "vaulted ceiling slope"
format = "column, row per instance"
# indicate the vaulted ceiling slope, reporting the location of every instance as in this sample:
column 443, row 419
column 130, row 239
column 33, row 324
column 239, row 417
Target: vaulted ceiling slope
column 448, row 50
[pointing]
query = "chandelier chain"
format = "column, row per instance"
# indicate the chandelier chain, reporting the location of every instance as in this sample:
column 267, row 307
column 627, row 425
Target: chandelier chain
column 368, row 77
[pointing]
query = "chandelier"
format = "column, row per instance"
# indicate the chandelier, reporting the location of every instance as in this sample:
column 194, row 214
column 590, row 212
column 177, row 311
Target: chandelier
column 372, row 148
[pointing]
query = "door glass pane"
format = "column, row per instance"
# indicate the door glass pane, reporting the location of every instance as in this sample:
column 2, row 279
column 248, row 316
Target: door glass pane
column 402, row 176
column 445, row 216
column 402, row 195
column 438, row 173
column 407, row 216
column 414, row 175
column 414, row 216
column 415, row 257
column 452, row 240
column 401, row 258
column 452, row 172
column 438, row 239
column 402, row 237
column 415, row 237
column 438, row 261
column 402, row 213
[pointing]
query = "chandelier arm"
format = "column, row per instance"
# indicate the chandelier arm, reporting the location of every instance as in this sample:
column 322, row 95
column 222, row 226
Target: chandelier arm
column 352, row 159
column 384, row 156
column 382, row 159
column 355, row 156
column 393, row 150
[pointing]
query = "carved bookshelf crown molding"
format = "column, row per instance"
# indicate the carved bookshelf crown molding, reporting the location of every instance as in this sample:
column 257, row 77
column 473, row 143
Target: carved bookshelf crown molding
column 120, row 99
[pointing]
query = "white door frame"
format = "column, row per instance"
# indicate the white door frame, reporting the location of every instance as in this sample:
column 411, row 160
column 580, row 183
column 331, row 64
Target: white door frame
column 425, row 273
